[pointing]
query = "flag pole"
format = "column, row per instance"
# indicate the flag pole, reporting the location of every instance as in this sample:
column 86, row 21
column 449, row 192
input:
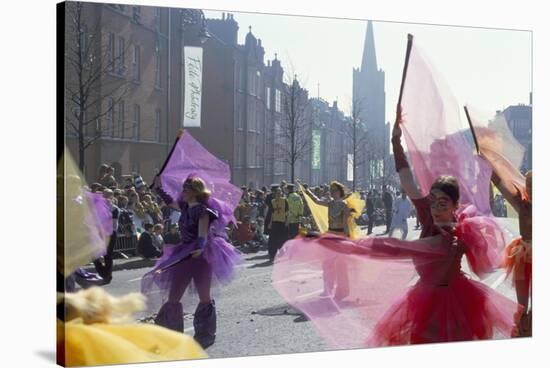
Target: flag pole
column 179, row 134
column 405, row 67
column 471, row 128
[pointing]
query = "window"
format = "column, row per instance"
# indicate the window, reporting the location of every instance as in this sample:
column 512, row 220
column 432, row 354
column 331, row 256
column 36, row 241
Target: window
column 268, row 98
column 157, row 69
column 83, row 44
column 88, row 125
column 120, row 122
column 258, row 82
column 135, row 64
column 121, row 67
column 108, row 129
column 111, row 52
column 157, row 18
column 157, row 125
column 137, row 122
column 277, row 100
column 136, row 13
column 240, row 119
column 251, row 84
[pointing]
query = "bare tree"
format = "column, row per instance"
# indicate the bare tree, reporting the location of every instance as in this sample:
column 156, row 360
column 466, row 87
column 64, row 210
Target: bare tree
column 293, row 138
column 357, row 134
column 89, row 86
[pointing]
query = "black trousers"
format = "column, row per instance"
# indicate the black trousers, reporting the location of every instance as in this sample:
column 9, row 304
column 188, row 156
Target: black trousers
column 388, row 219
column 277, row 236
column 105, row 270
column 371, row 222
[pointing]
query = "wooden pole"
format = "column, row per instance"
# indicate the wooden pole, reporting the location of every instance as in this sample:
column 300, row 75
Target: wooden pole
column 472, row 128
column 179, row 134
column 405, row 67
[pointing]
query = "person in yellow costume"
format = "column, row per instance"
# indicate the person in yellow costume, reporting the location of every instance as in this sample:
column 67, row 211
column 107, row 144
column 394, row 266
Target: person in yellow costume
column 295, row 211
column 278, row 230
column 343, row 209
column 93, row 327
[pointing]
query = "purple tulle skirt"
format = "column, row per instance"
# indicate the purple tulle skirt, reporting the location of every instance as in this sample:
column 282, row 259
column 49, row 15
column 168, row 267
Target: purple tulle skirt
column 176, row 264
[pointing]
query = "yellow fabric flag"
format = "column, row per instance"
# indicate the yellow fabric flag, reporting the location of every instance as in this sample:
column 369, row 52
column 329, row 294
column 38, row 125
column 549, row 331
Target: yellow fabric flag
column 318, row 212
column 356, row 204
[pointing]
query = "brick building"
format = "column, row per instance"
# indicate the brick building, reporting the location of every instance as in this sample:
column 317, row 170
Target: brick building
column 131, row 119
column 519, row 119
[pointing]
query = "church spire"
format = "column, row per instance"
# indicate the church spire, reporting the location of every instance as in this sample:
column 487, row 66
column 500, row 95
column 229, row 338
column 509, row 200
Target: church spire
column 369, row 52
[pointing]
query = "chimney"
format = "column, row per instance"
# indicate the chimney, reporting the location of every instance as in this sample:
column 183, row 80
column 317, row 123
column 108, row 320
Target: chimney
column 223, row 16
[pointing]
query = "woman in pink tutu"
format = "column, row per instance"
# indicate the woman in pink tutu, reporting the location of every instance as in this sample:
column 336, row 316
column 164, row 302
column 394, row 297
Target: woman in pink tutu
column 406, row 292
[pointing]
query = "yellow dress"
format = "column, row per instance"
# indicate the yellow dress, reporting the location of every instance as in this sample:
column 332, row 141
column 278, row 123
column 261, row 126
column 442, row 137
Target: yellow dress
column 105, row 344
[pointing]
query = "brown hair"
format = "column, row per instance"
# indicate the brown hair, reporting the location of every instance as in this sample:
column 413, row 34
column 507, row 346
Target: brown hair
column 339, row 186
column 199, row 188
column 448, row 185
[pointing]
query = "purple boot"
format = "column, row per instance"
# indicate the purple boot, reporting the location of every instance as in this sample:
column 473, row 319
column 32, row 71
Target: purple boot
column 204, row 323
column 86, row 279
column 170, row 316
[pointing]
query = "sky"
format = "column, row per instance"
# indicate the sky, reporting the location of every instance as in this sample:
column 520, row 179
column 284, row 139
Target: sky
column 488, row 68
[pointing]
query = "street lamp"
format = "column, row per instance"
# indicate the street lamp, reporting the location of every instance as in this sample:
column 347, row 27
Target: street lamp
column 193, row 17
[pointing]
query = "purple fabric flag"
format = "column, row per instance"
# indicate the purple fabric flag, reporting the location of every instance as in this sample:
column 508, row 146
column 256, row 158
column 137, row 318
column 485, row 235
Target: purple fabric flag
column 189, row 157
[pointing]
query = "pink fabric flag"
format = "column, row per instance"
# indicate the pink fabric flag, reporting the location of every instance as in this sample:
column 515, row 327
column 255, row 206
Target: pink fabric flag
column 438, row 141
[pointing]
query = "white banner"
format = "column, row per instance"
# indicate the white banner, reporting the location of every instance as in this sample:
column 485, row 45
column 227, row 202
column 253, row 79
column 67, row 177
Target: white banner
column 350, row 167
column 193, row 86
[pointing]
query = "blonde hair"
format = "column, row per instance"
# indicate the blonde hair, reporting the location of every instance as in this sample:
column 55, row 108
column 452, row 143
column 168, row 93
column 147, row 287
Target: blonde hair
column 95, row 305
column 199, row 188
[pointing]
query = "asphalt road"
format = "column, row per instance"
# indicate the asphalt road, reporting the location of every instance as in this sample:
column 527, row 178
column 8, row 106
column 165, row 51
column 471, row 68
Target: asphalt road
column 252, row 317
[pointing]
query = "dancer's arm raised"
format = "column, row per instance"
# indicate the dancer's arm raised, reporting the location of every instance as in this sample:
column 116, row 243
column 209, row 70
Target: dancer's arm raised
column 167, row 198
column 401, row 163
column 319, row 201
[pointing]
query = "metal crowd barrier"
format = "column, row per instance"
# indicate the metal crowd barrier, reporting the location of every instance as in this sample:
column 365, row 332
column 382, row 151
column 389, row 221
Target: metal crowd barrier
column 125, row 245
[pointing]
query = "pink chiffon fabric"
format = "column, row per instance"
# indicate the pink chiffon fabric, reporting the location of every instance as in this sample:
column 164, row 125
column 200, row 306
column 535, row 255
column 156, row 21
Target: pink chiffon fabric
column 438, row 140
column 399, row 292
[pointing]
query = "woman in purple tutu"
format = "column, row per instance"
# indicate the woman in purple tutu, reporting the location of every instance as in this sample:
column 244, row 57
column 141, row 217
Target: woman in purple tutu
column 204, row 256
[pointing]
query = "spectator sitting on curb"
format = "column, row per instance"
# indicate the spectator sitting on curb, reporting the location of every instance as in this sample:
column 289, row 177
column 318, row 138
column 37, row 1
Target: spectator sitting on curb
column 244, row 232
column 158, row 240
column 173, row 236
column 145, row 246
